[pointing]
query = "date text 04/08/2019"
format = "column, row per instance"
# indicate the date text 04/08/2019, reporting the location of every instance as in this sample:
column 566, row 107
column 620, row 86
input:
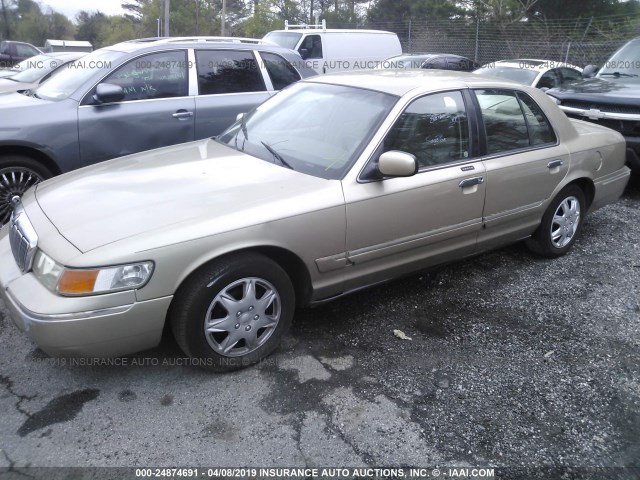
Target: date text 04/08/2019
column 278, row 472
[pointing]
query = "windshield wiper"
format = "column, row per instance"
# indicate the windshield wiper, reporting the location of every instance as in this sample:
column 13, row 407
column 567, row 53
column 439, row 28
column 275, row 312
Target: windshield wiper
column 618, row 74
column 276, row 155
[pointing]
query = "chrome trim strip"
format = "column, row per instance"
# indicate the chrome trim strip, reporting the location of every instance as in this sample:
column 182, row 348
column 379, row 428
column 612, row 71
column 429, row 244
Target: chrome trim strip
column 374, row 252
column 506, row 213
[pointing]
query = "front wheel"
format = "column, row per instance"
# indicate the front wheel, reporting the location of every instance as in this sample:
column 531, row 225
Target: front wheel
column 560, row 224
column 233, row 312
column 17, row 174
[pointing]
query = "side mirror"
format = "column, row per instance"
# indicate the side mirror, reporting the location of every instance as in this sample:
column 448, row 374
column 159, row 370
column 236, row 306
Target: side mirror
column 108, row 93
column 545, row 89
column 239, row 117
column 589, row 71
column 395, row 163
column 304, row 53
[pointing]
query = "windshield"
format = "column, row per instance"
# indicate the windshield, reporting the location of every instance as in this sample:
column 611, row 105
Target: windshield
column 313, row 128
column 67, row 81
column 35, row 68
column 287, row 40
column 516, row 74
column 624, row 63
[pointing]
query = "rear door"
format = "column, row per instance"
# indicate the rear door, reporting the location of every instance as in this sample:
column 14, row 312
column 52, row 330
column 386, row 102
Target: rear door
column 229, row 82
column 156, row 111
column 524, row 162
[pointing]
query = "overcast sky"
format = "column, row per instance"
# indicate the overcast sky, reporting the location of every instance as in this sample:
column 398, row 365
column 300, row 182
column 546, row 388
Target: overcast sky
column 71, row 7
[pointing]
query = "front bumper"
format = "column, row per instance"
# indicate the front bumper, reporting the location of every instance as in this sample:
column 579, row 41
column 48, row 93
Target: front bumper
column 99, row 326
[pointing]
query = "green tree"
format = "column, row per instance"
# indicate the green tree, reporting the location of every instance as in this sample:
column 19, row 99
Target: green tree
column 90, row 25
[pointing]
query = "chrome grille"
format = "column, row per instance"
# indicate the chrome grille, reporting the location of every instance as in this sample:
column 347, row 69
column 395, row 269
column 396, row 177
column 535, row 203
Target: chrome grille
column 603, row 107
column 23, row 238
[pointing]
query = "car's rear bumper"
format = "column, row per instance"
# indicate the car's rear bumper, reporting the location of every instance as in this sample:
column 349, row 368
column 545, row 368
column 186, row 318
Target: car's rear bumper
column 63, row 326
column 610, row 187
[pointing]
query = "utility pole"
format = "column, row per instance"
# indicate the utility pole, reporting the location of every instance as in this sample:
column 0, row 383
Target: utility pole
column 166, row 18
column 223, row 17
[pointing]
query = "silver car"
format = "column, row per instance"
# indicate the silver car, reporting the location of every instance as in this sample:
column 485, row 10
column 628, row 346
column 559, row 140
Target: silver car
column 336, row 183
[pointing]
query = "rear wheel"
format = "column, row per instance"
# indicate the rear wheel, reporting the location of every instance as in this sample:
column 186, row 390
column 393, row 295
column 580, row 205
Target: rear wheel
column 560, row 224
column 233, row 312
column 17, row 174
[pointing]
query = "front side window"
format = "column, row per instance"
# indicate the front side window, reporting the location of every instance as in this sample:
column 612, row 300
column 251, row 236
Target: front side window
column 281, row 72
column 69, row 79
column 549, row 80
column 512, row 121
column 228, row 71
column 311, row 47
column 434, row 128
column 159, row 75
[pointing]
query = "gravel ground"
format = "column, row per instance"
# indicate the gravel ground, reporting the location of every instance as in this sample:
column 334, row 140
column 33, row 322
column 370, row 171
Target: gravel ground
column 514, row 362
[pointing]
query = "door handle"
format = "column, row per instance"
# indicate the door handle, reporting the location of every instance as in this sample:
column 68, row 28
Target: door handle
column 554, row 164
column 182, row 114
column 470, row 182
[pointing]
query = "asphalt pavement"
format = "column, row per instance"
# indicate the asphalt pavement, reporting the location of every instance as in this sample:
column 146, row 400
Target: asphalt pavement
column 507, row 361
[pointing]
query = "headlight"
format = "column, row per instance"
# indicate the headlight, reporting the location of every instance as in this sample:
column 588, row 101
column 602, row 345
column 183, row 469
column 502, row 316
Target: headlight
column 76, row 281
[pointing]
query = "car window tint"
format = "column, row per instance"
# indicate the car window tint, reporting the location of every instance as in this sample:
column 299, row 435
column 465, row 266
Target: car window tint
column 312, row 44
column 540, row 131
column 570, row 75
column 228, row 71
column 434, row 128
column 281, row 72
column 159, row 75
column 504, row 122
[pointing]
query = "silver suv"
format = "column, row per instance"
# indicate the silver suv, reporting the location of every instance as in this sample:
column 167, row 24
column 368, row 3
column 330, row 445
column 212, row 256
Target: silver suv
column 134, row 96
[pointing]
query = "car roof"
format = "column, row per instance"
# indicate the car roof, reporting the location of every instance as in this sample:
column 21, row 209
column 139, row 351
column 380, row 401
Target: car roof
column 401, row 82
column 331, row 30
column 237, row 43
column 65, row 55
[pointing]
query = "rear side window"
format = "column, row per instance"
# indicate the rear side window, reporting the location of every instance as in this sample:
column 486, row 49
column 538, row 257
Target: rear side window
column 228, row 71
column 512, row 121
column 158, row 75
column 281, row 72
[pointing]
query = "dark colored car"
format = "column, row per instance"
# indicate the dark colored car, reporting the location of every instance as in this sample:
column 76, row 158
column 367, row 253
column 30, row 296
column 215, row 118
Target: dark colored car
column 131, row 97
column 611, row 98
column 12, row 53
column 440, row 61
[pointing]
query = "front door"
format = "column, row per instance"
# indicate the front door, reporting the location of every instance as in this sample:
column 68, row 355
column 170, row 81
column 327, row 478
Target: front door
column 398, row 225
column 156, row 111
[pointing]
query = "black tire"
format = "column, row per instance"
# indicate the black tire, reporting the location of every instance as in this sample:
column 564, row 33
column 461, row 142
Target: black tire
column 199, row 299
column 542, row 242
column 18, row 173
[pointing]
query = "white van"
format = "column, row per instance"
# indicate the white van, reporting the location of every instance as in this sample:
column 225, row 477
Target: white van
column 333, row 50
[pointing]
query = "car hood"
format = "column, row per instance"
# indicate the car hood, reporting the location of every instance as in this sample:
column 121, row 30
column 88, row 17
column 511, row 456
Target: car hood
column 623, row 91
column 202, row 183
column 9, row 86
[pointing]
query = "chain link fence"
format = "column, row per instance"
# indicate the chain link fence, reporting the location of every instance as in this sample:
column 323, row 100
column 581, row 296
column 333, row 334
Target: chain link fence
column 579, row 41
